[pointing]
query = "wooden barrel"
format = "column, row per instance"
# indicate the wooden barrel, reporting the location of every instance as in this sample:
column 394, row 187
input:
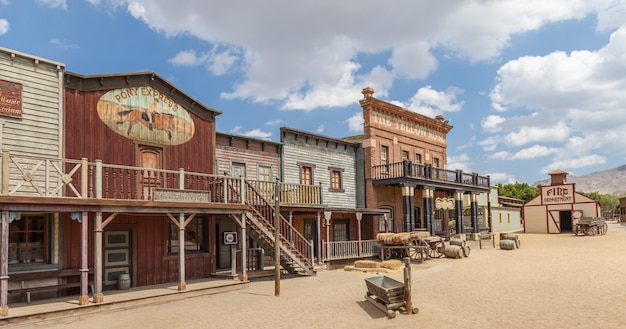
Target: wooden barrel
column 453, row 251
column 466, row 251
column 123, row 281
column 457, row 242
column 507, row 244
column 508, row 236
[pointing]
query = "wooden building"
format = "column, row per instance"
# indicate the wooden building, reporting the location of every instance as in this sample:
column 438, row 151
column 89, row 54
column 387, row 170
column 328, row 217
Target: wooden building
column 405, row 171
column 109, row 178
column 557, row 207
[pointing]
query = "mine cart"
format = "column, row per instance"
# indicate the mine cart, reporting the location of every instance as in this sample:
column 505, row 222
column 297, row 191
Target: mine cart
column 401, row 245
column 591, row 226
column 388, row 295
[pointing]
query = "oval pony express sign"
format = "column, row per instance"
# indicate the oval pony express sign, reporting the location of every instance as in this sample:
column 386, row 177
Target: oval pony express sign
column 144, row 114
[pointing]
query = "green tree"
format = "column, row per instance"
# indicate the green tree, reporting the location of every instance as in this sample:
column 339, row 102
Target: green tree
column 521, row 191
column 608, row 202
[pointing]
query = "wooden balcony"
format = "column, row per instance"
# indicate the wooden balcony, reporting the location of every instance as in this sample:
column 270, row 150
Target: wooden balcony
column 38, row 177
column 425, row 174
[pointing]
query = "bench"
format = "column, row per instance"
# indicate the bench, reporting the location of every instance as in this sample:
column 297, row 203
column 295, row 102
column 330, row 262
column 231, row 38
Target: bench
column 61, row 275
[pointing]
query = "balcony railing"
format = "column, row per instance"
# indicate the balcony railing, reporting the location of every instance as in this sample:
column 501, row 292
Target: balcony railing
column 35, row 176
column 427, row 172
column 349, row 249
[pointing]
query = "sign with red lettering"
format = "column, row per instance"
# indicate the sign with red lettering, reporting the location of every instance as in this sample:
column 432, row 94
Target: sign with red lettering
column 10, row 99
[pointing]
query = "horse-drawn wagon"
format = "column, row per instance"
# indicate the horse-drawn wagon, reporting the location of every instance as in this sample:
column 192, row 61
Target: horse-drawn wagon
column 591, row 226
column 415, row 245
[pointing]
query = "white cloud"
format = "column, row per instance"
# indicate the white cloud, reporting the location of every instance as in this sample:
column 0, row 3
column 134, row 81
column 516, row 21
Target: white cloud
column 529, row 134
column 4, row 26
column 532, row 152
column 255, row 133
column 288, row 56
column 500, row 177
column 574, row 162
column 430, row 102
column 459, row 162
column 491, row 122
column 355, row 122
column 320, row 129
column 63, row 45
column 273, row 122
column 185, row 58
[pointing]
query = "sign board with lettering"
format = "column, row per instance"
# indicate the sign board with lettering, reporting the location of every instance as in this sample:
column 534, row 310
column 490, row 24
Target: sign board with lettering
column 557, row 194
column 164, row 194
column 10, row 99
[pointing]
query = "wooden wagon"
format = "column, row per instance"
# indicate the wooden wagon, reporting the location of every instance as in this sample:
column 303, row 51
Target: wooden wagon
column 591, row 226
column 388, row 295
column 415, row 245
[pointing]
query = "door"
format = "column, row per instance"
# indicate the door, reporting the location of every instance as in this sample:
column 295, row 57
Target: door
column 149, row 158
column 117, row 251
column 310, row 232
column 565, row 219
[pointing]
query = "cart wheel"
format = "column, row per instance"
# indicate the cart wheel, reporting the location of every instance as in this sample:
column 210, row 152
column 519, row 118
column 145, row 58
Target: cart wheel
column 605, row 228
column 436, row 249
column 413, row 253
column 387, row 254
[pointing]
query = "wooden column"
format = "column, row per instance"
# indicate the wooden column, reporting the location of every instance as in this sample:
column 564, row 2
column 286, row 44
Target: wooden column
column 359, row 216
column 327, row 215
column 318, row 237
column 182, row 285
column 4, row 265
column 84, row 262
column 98, row 297
column 244, row 247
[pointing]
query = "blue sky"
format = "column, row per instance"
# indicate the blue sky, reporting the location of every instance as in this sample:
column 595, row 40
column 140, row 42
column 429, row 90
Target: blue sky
column 529, row 86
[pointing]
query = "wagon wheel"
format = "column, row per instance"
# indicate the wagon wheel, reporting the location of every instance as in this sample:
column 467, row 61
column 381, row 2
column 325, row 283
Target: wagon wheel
column 605, row 228
column 592, row 230
column 386, row 253
column 436, row 249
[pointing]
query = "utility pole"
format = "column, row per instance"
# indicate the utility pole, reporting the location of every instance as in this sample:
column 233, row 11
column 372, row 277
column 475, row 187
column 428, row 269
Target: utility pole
column 277, row 238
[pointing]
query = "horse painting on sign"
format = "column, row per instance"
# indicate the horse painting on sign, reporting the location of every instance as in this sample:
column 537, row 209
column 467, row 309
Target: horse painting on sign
column 143, row 114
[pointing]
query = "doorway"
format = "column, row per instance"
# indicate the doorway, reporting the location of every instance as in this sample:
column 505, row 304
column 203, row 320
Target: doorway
column 565, row 221
column 117, row 252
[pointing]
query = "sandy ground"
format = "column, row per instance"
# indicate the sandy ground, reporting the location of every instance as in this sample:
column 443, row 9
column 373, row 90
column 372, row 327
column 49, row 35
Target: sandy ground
column 552, row 281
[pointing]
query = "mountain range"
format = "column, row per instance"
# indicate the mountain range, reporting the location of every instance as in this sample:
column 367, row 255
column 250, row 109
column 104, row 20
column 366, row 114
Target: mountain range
column 610, row 181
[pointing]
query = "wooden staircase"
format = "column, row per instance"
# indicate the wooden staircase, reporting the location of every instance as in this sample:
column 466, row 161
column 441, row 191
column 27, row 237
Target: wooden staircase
column 296, row 253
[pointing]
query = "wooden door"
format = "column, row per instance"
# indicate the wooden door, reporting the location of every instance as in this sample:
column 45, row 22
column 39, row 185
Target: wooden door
column 150, row 158
column 117, row 252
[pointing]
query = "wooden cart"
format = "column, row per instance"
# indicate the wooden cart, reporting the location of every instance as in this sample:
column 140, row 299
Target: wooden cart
column 388, row 295
column 401, row 245
column 591, row 226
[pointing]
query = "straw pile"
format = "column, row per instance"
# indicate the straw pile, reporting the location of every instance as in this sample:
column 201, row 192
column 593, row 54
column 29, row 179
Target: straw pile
column 398, row 239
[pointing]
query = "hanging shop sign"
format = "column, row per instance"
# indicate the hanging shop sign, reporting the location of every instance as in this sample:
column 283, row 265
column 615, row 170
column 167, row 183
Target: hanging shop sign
column 10, row 99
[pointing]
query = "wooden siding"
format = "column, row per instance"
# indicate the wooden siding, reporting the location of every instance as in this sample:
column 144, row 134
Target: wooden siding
column 38, row 132
column 87, row 136
column 150, row 262
column 252, row 153
column 322, row 156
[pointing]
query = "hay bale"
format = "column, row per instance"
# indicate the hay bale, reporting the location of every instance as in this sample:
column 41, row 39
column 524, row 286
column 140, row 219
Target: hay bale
column 366, row 264
column 423, row 234
column 392, row 264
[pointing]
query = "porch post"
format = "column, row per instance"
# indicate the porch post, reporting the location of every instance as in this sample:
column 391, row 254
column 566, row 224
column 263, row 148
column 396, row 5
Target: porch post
column 98, row 297
column 474, row 212
column 359, row 216
column 327, row 215
column 318, row 235
column 408, row 203
column 244, row 247
column 290, row 225
column 458, row 210
column 4, row 264
column 84, row 262
column 428, row 209
column 182, row 286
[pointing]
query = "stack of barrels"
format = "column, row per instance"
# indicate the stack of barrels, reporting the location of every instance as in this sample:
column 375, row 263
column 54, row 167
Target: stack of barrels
column 509, row 241
column 457, row 249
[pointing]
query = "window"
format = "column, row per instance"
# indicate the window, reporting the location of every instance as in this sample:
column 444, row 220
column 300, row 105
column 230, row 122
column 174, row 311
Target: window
column 381, row 220
column 341, row 230
column 436, row 162
column 238, row 169
column 194, row 237
column 27, row 240
column 336, row 179
column 418, row 158
column 264, row 173
column 405, row 155
column 508, row 218
column 500, row 217
column 384, row 158
column 306, row 175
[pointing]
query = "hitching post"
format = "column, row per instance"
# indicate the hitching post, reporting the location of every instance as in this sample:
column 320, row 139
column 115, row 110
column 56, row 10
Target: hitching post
column 407, row 285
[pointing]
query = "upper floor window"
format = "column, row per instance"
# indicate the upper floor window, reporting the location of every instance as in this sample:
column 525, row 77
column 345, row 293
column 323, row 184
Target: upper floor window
column 384, row 155
column 306, row 175
column 336, row 179
column 418, row 158
column 436, row 162
column 405, row 155
column 238, row 169
column 264, row 173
